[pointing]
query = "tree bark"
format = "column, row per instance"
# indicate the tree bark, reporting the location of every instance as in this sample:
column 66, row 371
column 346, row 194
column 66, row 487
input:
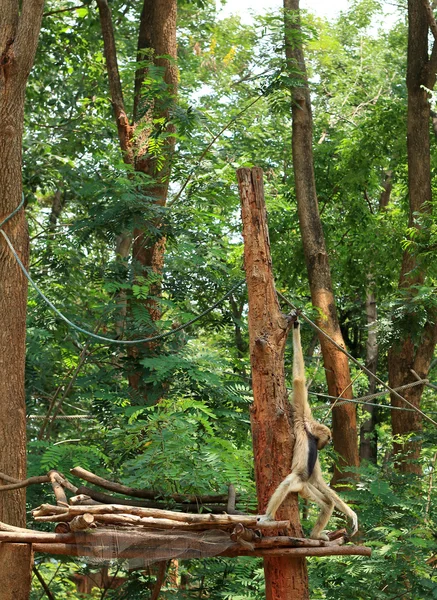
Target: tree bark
column 409, row 353
column 344, row 422
column 19, row 32
column 271, row 420
column 15, row 571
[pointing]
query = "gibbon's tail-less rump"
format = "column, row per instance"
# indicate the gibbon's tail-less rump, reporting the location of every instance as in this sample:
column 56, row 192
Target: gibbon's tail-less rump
column 311, row 436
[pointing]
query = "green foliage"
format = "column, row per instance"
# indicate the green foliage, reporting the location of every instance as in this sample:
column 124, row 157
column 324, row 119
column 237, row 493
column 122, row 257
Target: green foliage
column 233, row 110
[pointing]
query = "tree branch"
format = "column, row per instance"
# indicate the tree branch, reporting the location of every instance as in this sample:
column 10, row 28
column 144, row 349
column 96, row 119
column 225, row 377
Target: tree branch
column 44, row 585
column 28, row 30
column 125, row 130
column 136, row 493
column 432, row 63
column 160, row 578
column 62, row 10
column 17, row 484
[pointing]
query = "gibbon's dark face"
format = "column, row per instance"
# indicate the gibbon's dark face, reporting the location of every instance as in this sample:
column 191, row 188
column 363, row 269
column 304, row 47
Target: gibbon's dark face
column 323, row 435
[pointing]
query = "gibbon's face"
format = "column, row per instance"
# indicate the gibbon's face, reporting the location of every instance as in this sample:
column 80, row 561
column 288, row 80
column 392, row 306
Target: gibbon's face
column 323, row 435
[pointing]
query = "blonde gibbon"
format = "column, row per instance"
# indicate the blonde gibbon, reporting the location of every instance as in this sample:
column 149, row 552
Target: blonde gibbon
column 306, row 475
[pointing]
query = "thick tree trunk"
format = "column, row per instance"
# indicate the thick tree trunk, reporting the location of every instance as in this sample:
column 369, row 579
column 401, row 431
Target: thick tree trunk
column 272, row 430
column 344, row 422
column 15, row 571
column 411, row 353
column 18, row 41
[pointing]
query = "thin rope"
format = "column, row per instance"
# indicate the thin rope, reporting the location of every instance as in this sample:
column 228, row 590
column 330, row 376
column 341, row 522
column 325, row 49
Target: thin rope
column 363, row 399
column 387, row 406
column 350, row 384
column 354, row 360
column 13, row 213
column 101, row 338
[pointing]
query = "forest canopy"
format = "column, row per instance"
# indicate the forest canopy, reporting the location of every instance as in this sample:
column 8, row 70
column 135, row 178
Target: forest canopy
column 136, row 117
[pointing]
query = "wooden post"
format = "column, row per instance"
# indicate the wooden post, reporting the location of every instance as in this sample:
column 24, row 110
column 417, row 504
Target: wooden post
column 16, row 562
column 286, row 577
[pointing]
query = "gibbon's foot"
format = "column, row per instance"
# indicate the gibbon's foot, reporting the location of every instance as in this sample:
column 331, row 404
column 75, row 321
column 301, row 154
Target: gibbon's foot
column 320, row 536
column 354, row 526
column 265, row 518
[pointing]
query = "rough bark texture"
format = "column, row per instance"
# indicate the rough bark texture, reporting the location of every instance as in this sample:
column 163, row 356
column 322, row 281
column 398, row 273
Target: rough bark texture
column 156, row 38
column 344, row 423
column 286, row 578
column 15, row 571
column 407, row 354
column 18, row 42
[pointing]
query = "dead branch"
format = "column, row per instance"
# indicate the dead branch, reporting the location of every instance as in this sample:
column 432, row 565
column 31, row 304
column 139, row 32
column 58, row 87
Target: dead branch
column 142, row 493
column 82, row 499
column 17, row 483
column 61, row 498
column 82, row 522
column 102, row 498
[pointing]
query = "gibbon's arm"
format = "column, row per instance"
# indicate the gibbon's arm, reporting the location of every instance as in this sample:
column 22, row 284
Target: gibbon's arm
column 300, row 394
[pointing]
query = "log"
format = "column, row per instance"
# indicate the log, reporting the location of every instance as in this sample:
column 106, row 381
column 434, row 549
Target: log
column 102, row 498
column 7, row 527
column 242, row 534
column 62, row 527
column 102, row 552
column 82, row 522
column 44, row 511
column 315, row 551
column 146, row 494
column 82, row 499
column 287, row 541
column 61, row 498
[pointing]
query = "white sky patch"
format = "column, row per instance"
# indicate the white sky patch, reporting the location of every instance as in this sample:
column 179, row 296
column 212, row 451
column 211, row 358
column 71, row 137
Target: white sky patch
column 245, row 8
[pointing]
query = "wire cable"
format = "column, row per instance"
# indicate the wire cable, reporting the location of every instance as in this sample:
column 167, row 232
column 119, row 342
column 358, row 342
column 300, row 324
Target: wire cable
column 101, row 338
column 357, row 362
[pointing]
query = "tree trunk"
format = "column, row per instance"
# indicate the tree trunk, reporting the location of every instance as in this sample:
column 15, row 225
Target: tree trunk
column 19, row 32
column 15, row 571
column 157, row 33
column 271, row 421
column 409, row 353
column 344, row 422
column 368, row 440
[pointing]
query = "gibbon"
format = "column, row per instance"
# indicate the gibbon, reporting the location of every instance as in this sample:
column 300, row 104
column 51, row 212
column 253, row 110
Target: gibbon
column 306, row 474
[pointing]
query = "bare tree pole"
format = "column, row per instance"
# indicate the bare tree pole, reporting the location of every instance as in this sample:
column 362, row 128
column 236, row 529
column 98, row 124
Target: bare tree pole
column 272, row 431
column 344, row 421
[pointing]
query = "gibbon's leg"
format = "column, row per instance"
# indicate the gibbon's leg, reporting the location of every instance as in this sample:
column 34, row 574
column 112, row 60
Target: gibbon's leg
column 327, row 506
column 331, row 496
column 300, row 394
column 292, row 483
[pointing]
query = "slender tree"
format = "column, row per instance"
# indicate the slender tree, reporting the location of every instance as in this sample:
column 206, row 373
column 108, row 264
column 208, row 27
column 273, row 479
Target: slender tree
column 156, row 46
column 344, row 424
column 414, row 351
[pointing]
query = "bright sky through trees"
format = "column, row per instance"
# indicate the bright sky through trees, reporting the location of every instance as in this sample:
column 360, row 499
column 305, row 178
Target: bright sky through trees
column 326, row 8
